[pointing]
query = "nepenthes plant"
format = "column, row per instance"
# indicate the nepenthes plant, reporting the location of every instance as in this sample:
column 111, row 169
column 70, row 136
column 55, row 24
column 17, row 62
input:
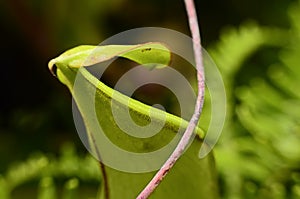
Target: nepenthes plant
column 190, row 177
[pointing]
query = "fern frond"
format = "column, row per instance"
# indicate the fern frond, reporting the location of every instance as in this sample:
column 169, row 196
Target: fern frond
column 270, row 111
column 236, row 45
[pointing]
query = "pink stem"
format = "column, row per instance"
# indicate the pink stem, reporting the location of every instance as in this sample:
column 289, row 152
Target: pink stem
column 194, row 27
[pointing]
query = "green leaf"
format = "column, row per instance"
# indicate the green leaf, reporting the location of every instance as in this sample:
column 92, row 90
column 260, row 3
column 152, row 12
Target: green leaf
column 238, row 44
column 190, row 178
column 148, row 54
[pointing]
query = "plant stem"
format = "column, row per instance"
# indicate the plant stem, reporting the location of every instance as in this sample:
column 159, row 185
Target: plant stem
column 194, row 27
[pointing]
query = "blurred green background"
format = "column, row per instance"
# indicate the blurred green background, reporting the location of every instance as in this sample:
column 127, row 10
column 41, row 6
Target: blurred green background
column 255, row 43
